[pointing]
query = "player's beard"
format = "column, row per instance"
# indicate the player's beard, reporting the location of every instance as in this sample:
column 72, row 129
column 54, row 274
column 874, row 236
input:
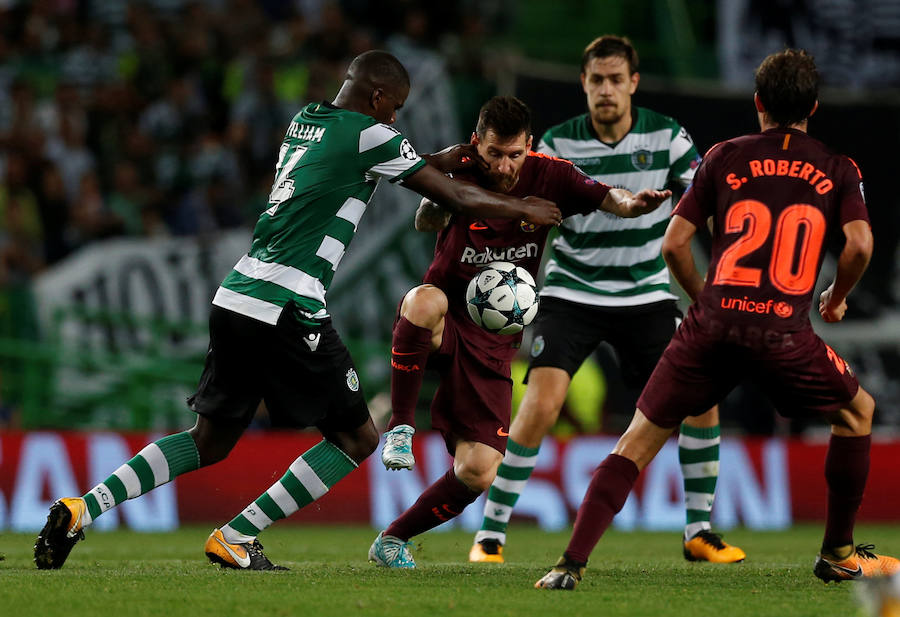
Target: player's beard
column 502, row 183
column 607, row 114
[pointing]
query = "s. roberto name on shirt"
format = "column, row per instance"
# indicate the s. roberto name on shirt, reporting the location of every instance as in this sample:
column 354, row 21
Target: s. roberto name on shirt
column 503, row 253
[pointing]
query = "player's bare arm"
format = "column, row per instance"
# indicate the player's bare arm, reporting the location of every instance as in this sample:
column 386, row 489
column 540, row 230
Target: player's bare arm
column 472, row 200
column 455, row 158
column 626, row 204
column 431, row 217
column 852, row 264
column 676, row 250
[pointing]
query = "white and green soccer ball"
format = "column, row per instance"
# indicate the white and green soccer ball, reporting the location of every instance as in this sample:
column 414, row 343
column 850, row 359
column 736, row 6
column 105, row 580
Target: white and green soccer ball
column 502, row 298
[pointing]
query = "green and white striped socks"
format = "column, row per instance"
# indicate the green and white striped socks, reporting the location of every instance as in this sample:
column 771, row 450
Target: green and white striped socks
column 698, row 454
column 158, row 463
column 308, row 478
column 512, row 475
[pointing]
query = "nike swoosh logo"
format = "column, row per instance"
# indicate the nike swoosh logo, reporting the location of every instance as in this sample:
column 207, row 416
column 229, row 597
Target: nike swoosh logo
column 476, row 226
column 403, row 353
column 853, row 573
column 243, row 562
column 501, row 433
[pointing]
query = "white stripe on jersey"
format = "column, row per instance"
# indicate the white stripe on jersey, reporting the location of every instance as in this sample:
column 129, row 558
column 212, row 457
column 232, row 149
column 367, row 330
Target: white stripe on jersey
column 612, row 255
column 331, row 250
column 579, row 149
column 586, row 297
column 288, row 277
column 247, row 305
column 374, row 136
column 604, row 221
column 391, row 169
column 352, row 210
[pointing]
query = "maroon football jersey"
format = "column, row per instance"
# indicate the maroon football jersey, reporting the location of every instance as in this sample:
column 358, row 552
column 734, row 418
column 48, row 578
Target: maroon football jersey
column 467, row 244
column 774, row 197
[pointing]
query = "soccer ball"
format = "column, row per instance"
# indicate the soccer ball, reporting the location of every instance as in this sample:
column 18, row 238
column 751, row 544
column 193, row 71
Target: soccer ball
column 502, row 298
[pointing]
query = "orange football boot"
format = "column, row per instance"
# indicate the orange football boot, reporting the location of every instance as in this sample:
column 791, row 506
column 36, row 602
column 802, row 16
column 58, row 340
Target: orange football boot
column 863, row 563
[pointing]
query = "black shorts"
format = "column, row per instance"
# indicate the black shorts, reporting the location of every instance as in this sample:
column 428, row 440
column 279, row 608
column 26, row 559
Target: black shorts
column 305, row 375
column 565, row 333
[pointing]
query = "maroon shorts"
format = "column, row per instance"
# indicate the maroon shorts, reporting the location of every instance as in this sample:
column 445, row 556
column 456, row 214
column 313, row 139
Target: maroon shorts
column 797, row 371
column 474, row 399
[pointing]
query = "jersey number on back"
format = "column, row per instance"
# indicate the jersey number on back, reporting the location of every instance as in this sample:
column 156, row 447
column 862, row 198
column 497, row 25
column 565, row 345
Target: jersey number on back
column 283, row 187
column 799, row 232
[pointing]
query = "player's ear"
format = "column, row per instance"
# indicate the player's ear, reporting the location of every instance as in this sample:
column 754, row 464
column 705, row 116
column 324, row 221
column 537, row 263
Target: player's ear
column 635, row 78
column 759, row 105
column 529, row 142
column 474, row 139
column 583, row 78
column 376, row 98
column 814, row 109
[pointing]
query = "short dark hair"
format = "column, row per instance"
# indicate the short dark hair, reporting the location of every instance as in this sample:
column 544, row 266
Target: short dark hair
column 379, row 68
column 610, row 45
column 507, row 116
column 787, row 84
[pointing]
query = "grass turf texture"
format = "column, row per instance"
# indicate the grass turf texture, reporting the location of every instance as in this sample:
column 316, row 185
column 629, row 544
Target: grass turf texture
column 133, row 574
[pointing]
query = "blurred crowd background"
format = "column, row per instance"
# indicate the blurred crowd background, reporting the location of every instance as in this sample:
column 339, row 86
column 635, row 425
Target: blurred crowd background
column 159, row 121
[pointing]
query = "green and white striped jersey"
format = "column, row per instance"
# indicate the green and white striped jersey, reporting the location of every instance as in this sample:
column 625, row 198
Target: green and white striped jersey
column 330, row 162
column 601, row 259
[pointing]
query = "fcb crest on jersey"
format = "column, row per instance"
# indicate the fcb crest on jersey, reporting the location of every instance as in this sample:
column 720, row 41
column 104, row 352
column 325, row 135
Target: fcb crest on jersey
column 642, row 159
column 526, row 226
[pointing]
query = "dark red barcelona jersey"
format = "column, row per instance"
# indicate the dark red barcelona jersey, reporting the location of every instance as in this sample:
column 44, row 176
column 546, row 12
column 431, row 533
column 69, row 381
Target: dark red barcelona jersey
column 773, row 197
column 468, row 244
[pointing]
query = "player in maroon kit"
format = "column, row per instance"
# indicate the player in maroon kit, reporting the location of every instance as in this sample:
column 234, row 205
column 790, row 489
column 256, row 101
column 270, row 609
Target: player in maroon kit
column 472, row 405
column 773, row 197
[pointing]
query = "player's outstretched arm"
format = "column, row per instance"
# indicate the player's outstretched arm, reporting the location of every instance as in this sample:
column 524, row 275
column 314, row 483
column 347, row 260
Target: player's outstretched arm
column 431, row 217
column 455, row 158
column 627, row 205
column 676, row 250
column 472, row 200
column 851, row 265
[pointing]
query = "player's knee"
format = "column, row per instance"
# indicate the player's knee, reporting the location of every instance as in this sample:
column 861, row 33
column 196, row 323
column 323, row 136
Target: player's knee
column 857, row 416
column 476, row 477
column 212, row 445
column 424, row 306
column 864, row 404
column 211, row 453
column 358, row 444
column 538, row 412
column 364, row 445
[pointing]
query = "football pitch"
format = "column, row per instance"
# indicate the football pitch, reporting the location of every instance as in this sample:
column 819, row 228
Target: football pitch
column 640, row 573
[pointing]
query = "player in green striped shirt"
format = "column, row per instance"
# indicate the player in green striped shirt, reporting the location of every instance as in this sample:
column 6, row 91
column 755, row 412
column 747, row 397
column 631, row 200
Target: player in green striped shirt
column 607, row 281
column 271, row 337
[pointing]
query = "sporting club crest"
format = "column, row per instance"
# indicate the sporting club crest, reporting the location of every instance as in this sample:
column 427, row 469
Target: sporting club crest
column 537, row 346
column 642, row 159
column 352, row 380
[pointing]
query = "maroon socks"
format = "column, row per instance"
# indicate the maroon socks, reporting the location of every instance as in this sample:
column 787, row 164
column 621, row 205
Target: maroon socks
column 606, row 494
column 440, row 502
column 410, row 347
column 846, row 470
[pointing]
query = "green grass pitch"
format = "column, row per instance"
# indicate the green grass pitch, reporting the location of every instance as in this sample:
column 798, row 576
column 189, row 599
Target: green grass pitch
column 131, row 574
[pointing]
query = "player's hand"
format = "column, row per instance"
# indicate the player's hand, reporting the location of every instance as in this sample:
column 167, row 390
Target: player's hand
column 646, row 201
column 455, row 158
column 830, row 311
column 541, row 212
